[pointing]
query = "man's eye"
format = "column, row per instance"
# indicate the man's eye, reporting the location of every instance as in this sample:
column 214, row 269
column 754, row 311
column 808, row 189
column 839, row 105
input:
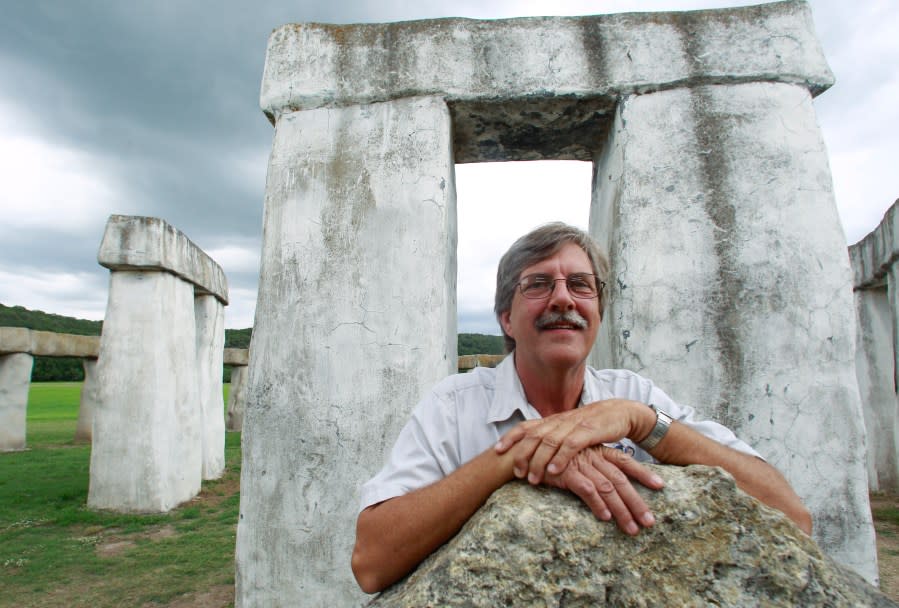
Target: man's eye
column 580, row 284
column 537, row 284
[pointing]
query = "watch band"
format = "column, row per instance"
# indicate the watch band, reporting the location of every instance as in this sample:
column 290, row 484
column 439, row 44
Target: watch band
column 663, row 422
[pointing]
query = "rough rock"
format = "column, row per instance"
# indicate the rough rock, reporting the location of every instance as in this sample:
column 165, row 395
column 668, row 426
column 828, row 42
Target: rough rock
column 712, row 545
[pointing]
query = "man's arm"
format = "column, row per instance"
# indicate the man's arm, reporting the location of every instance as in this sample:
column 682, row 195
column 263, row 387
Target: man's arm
column 551, row 443
column 394, row 536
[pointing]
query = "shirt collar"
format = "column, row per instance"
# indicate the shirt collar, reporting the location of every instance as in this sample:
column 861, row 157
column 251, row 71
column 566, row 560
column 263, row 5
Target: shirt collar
column 509, row 397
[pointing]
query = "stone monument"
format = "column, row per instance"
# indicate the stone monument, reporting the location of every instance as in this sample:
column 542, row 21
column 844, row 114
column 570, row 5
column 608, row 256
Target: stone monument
column 712, row 194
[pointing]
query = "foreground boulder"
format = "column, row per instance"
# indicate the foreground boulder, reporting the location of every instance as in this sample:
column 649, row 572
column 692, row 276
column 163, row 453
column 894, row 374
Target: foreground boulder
column 712, row 545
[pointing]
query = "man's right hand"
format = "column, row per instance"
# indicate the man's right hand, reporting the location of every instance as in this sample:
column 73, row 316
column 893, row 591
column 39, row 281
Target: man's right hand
column 601, row 477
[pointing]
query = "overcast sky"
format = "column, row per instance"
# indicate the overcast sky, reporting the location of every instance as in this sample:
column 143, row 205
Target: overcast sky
column 152, row 108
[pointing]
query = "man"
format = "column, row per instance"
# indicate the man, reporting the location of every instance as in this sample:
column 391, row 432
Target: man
column 544, row 415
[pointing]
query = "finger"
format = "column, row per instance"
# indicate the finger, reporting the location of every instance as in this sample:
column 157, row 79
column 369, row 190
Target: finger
column 627, row 506
column 579, row 436
column 610, row 484
column 633, row 469
column 529, row 445
column 552, row 439
column 585, row 489
column 515, row 435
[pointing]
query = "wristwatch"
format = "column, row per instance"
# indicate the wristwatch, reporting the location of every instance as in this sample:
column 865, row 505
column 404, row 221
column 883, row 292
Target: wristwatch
column 663, row 423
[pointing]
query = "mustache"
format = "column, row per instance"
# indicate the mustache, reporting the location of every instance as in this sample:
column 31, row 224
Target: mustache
column 570, row 317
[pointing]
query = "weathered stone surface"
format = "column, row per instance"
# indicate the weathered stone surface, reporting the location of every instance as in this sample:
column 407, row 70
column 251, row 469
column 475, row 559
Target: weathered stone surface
column 90, row 395
column 209, row 315
column 712, row 545
column 15, row 377
column 237, row 399
column 355, row 319
column 732, row 286
column 47, row 343
column 874, row 255
column 874, row 363
column 554, row 63
column 146, row 451
column 149, row 243
column 237, row 356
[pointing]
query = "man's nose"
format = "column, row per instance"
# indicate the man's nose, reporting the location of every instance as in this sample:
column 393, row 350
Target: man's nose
column 561, row 298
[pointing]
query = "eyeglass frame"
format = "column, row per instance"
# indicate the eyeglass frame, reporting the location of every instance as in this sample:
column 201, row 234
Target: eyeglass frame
column 600, row 285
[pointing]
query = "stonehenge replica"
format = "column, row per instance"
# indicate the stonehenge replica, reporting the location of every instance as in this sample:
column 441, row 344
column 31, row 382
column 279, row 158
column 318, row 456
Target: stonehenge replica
column 712, row 193
column 18, row 347
column 238, row 359
column 159, row 424
column 877, row 307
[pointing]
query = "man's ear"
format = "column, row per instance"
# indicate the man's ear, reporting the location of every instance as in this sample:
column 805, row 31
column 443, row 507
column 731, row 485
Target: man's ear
column 505, row 319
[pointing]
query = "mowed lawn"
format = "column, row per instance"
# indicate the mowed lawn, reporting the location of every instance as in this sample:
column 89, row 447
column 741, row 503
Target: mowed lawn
column 56, row 552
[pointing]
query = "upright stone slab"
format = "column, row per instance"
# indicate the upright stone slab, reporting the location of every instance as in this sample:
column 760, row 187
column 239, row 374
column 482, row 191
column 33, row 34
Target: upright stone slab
column 237, row 399
column 15, row 377
column 702, row 129
column 353, row 322
column 732, row 287
column 874, row 370
column 210, row 320
column 88, row 403
column 147, row 441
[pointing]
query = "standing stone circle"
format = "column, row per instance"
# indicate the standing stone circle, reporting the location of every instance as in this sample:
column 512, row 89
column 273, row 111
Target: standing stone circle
column 712, row 194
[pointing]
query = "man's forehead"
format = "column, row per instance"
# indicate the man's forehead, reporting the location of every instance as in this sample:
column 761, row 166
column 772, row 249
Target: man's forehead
column 572, row 253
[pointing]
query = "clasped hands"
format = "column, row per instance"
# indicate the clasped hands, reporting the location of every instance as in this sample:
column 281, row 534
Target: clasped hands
column 566, row 451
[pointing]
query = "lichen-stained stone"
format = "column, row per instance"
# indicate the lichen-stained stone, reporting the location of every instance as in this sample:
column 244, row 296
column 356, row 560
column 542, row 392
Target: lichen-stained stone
column 146, row 451
column 355, row 320
column 732, row 285
column 15, row 378
column 209, row 314
column 712, row 545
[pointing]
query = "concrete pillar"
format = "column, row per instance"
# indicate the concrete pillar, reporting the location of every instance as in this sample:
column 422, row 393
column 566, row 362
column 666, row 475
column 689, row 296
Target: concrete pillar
column 355, row 319
column 89, row 397
column 146, row 454
column 732, row 285
column 874, row 366
column 15, row 378
column 237, row 398
column 210, row 321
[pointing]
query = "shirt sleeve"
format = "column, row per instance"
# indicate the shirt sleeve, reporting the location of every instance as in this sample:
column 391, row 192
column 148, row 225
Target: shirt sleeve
column 423, row 453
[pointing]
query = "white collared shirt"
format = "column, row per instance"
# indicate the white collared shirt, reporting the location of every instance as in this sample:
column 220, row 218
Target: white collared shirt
column 465, row 414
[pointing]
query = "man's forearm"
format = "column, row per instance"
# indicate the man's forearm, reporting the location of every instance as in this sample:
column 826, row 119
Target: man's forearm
column 394, row 536
column 682, row 446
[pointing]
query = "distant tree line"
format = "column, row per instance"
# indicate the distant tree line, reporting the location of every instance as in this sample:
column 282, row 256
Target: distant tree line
column 69, row 369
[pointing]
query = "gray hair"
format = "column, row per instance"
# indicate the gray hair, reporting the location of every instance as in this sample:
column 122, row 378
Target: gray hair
column 535, row 246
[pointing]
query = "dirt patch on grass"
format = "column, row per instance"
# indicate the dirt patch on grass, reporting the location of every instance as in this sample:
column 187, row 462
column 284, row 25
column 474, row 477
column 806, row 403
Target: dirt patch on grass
column 113, row 545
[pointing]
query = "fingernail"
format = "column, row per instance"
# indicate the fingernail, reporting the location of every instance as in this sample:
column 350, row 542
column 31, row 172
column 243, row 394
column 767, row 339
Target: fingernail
column 605, row 515
column 657, row 480
column 631, row 528
column 553, row 468
column 648, row 519
column 498, row 446
column 518, row 472
column 533, row 478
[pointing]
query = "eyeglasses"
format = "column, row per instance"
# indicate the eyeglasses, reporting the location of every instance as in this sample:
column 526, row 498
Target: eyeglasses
column 580, row 285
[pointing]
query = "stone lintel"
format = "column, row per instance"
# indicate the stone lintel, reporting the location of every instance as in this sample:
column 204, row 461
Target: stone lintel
column 149, row 243
column 237, row 356
column 47, row 343
column 872, row 256
column 574, row 65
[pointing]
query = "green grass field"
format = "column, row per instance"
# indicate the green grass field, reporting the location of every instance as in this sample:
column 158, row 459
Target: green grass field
column 56, row 552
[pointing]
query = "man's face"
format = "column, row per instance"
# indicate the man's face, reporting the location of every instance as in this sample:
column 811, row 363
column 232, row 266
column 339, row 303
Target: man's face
column 559, row 344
